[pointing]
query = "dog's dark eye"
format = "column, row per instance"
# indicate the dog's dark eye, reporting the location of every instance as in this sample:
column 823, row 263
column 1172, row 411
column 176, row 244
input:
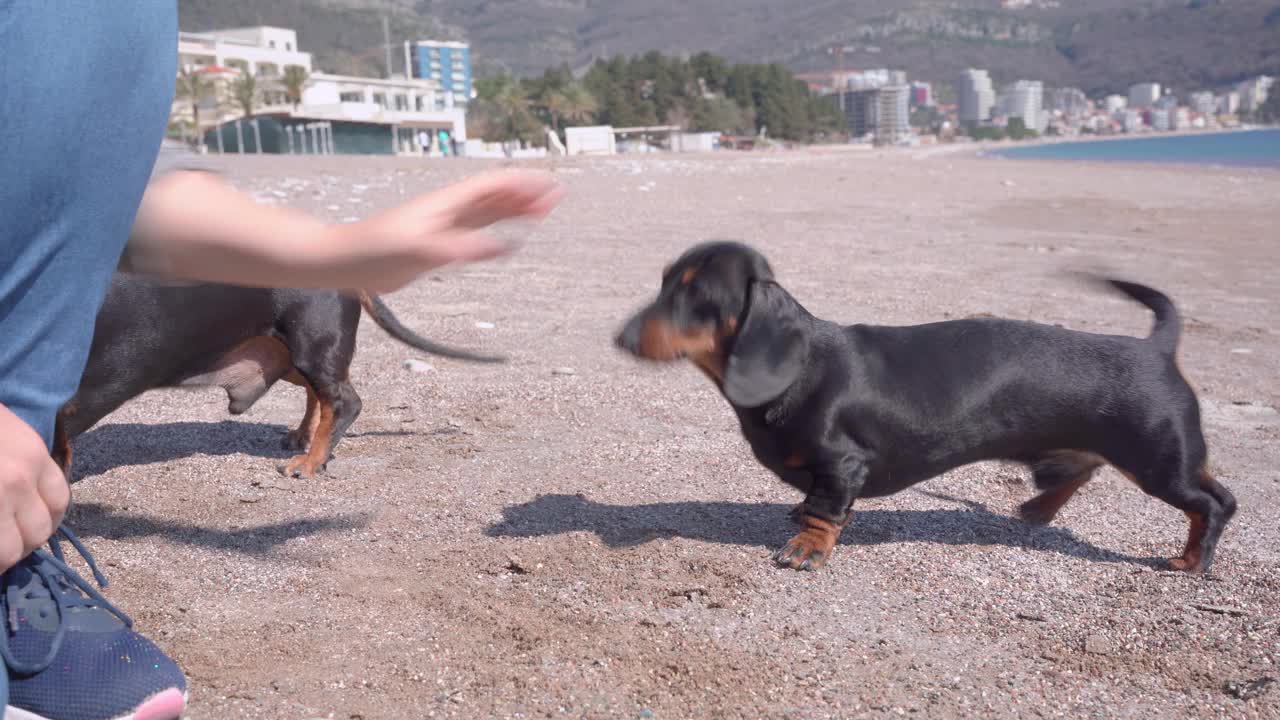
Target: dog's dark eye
column 697, row 303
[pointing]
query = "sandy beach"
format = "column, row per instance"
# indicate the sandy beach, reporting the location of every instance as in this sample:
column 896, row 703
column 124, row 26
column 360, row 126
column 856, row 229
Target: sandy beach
column 578, row 535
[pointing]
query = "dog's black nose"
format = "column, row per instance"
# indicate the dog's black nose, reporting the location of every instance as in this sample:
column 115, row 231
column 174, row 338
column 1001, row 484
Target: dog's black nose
column 629, row 338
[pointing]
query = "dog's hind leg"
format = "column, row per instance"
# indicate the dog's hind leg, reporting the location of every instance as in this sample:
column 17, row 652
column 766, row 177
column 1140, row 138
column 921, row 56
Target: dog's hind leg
column 323, row 362
column 338, row 406
column 1207, row 504
column 1058, row 475
column 302, row 437
column 1219, row 493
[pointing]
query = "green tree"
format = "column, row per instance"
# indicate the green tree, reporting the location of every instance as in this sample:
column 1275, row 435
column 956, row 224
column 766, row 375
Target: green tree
column 826, row 117
column 562, row 101
column 703, row 93
column 295, row 81
column 712, row 70
column 578, row 105
column 1018, row 130
column 244, row 89
column 926, row 118
column 504, row 112
column 489, row 87
column 552, row 102
column 723, row 115
column 985, row 132
column 193, row 87
column 552, row 79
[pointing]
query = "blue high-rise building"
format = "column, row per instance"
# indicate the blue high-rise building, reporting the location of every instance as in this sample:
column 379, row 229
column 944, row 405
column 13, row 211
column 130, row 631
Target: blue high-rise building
column 448, row 63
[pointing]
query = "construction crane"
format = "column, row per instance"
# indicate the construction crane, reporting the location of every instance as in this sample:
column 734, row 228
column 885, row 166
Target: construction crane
column 838, row 51
column 384, row 47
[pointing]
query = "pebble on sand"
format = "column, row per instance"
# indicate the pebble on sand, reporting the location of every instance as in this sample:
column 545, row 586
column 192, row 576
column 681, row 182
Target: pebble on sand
column 418, row 366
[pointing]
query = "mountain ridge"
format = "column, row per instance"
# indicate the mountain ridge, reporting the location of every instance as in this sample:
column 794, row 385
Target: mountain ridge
column 1099, row 45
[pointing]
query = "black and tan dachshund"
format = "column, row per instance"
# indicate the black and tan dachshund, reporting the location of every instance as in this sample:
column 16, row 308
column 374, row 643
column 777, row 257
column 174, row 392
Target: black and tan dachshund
column 150, row 335
column 843, row 412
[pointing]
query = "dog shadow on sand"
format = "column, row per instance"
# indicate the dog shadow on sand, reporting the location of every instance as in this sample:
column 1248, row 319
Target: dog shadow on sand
column 94, row 520
column 134, row 444
column 110, row 446
column 766, row 525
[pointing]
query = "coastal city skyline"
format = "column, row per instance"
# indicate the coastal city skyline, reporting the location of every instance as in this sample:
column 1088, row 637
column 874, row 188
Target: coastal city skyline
column 429, row 95
column 979, row 102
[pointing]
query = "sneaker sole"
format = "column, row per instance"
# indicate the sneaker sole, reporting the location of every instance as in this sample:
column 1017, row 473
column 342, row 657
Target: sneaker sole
column 167, row 705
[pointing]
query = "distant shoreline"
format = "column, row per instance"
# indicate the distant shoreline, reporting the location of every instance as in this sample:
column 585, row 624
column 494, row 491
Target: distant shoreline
column 983, row 145
column 1220, row 148
column 995, row 148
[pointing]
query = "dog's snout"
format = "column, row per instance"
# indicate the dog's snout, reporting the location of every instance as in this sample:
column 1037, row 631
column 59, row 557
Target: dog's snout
column 629, row 337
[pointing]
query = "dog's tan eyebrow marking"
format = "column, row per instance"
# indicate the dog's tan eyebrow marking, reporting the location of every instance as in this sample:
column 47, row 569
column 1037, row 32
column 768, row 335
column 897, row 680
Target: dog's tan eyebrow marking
column 686, row 277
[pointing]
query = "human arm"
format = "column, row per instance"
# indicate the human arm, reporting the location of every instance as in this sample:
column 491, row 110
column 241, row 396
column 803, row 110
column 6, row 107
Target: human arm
column 195, row 226
column 33, row 490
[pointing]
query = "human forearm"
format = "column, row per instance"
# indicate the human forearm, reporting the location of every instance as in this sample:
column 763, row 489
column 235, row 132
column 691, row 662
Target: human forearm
column 194, row 226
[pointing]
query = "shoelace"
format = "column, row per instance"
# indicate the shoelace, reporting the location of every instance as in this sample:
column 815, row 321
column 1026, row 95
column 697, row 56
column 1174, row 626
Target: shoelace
column 67, row 589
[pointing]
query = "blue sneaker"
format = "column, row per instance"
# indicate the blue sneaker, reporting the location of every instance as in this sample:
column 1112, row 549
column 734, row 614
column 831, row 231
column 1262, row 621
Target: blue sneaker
column 71, row 654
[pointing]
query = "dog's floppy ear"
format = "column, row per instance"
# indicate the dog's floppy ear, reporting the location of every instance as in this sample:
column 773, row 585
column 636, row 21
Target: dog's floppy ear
column 770, row 348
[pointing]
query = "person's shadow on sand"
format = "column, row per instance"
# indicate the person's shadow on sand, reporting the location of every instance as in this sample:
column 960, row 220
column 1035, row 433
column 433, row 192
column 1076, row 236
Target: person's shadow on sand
column 766, row 525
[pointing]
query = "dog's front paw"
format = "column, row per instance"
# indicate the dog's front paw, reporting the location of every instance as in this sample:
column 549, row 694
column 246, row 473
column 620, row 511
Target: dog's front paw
column 1037, row 512
column 294, row 440
column 796, row 514
column 811, row 547
column 301, row 466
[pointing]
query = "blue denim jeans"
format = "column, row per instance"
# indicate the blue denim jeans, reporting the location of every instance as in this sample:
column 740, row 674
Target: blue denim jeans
column 85, row 91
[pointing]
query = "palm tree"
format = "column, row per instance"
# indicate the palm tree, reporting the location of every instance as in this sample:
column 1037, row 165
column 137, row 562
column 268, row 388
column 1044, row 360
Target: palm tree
column 553, row 101
column 294, row 80
column 573, row 103
column 578, row 104
column 245, row 91
column 512, row 108
column 193, row 86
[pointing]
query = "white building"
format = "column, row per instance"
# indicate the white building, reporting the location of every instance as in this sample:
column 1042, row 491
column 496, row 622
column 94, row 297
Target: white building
column 591, row 140
column 893, row 114
column 880, row 114
column 976, row 96
column 1024, row 99
column 407, row 106
column 1097, row 123
column 1162, row 119
column 864, row 79
column 262, row 51
column 1229, row 103
column 1204, row 103
column 1253, row 92
column 695, row 141
column 1071, row 102
column 406, row 109
column 1130, row 120
column 1143, row 95
column 1115, row 103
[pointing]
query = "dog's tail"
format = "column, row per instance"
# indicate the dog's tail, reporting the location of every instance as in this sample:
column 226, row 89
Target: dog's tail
column 386, row 320
column 1168, row 328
